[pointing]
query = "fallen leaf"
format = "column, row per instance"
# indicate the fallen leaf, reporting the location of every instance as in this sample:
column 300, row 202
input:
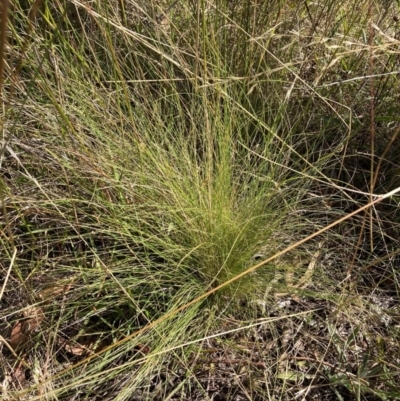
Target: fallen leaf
column 19, row 374
column 21, row 331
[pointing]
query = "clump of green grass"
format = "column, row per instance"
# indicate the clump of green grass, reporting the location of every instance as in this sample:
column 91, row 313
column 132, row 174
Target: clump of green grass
column 148, row 164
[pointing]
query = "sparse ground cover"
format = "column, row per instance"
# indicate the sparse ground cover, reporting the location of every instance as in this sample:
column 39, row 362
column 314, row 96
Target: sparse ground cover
column 168, row 170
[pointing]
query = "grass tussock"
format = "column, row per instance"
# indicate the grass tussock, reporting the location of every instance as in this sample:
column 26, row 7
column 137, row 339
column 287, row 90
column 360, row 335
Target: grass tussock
column 152, row 153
